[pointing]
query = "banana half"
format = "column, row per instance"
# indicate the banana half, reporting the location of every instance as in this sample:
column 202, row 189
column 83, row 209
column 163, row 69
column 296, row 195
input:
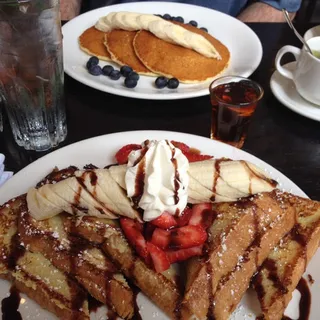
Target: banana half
column 101, row 192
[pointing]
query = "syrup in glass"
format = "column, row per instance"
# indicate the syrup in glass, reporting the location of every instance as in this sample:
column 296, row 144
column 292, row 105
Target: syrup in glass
column 233, row 104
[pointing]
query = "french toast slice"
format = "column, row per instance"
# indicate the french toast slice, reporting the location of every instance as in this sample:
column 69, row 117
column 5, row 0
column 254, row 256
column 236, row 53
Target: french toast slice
column 240, row 238
column 286, row 263
column 33, row 274
column 78, row 258
column 50, row 288
column 161, row 288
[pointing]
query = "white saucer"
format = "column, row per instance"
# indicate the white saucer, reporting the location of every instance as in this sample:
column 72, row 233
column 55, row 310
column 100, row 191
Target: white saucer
column 285, row 91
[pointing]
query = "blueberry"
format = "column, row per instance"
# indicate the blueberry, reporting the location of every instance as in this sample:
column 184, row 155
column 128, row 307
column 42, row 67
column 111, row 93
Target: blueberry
column 158, row 15
column 161, row 82
column 173, row 83
column 89, row 65
column 204, row 29
column 173, row 19
column 94, row 60
column 106, row 70
column 95, row 70
column 179, row 19
column 193, row 23
column 115, row 75
column 133, row 76
column 130, row 83
column 125, row 70
column 166, row 16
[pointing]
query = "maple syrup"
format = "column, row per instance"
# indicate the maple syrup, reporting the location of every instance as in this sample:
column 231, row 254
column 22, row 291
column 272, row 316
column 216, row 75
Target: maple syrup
column 233, row 104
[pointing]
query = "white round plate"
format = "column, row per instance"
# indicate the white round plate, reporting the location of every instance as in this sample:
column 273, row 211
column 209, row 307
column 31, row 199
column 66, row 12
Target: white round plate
column 100, row 151
column 285, row 91
column 242, row 42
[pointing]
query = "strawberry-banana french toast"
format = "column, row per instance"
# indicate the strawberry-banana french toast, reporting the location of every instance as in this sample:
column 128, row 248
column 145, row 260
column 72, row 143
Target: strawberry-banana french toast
column 162, row 192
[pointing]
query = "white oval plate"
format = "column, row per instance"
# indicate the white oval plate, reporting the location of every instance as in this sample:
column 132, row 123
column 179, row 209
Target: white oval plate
column 285, row 91
column 242, row 42
column 100, row 151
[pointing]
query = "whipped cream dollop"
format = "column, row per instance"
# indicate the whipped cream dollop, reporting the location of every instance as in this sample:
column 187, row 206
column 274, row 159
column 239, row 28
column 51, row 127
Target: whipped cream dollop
column 161, row 28
column 158, row 175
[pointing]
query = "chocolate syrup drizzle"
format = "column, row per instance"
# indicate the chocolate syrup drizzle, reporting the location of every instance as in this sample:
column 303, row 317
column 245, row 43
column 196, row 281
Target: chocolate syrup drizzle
column 257, row 175
column 10, row 305
column 304, row 304
column 139, row 182
column 176, row 178
column 302, row 287
column 57, row 175
column 215, row 178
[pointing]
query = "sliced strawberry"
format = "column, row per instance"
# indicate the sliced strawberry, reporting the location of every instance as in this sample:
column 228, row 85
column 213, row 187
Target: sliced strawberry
column 180, row 145
column 194, row 150
column 184, row 218
column 183, row 254
column 132, row 230
column 159, row 258
column 161, row 238
column 165, row 221
column 202, row 214
column 187, row 236
column 123, row 153
column 148, row 231
column 193, row 157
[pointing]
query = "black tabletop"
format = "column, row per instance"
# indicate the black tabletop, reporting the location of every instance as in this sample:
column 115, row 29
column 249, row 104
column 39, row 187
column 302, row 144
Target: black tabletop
column 286, row 140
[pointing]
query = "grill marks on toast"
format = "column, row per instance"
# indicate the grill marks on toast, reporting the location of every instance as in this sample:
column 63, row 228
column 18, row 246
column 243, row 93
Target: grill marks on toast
column 282, row 270
column 32, row 273
column 79, row 258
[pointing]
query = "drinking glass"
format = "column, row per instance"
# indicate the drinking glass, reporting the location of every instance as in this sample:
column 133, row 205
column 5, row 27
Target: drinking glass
column 31, row 72
column 234, row 100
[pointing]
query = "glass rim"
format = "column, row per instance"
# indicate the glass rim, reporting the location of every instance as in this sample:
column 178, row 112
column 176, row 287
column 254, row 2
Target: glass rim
column 14, row 1
column 243, row 104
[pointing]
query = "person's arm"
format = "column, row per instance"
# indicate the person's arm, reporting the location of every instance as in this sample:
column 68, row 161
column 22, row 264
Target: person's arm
column 69, row 9
column 262, row 12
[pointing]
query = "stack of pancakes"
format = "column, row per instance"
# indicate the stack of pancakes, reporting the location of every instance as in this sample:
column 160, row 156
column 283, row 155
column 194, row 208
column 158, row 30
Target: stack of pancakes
column 148, row 55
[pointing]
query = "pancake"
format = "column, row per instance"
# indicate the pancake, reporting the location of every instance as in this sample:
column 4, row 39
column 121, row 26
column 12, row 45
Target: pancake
column 120, row 46
column 172, row 60
column 91, row 41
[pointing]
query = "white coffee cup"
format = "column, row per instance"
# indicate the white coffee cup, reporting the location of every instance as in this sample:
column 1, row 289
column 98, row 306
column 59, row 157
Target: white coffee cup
column 311, row 33
column 306, row 75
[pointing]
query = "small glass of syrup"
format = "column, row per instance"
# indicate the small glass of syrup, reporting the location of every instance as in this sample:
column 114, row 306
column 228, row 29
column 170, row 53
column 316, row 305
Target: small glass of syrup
column 234, row 100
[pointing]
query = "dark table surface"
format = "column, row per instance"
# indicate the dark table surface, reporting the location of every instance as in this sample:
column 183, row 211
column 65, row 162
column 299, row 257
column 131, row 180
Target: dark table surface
column 286, row 140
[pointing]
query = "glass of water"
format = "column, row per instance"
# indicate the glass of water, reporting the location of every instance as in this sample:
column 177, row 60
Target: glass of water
column 31, row 72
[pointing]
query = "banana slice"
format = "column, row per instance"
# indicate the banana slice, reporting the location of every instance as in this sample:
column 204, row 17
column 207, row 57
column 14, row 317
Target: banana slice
column 89, row 179
column 118, row 174
column 229, row 179
column 80, row 197
column 41, row 206
column 47, row 193
column 114, row 192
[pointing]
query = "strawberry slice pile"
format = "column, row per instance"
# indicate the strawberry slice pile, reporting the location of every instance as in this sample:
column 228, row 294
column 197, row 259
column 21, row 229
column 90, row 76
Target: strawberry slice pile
column 192, row 155
column 170, row 239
